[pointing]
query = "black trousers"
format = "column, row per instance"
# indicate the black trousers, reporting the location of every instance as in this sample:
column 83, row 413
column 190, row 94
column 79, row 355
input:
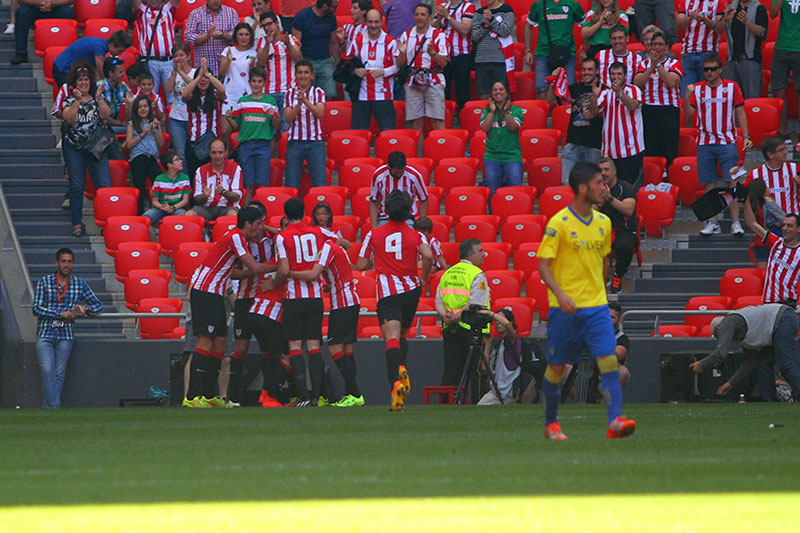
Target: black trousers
column 456, row 75
column 143, row 167
column 662, row 131
column 623, row 245
column 364, row 110
column 456, row 350
column 631, row 169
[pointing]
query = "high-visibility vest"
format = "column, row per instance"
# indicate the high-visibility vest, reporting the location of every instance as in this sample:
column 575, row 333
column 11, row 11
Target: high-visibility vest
column 455, row 286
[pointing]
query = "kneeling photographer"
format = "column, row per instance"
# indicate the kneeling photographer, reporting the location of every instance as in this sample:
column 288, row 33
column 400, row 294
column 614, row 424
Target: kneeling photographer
column 503, row 357
column 461, row 286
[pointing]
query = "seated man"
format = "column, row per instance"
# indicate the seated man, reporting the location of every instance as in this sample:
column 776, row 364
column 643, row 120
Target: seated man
column 28, row 12
column 621, row 209
column 217, row 185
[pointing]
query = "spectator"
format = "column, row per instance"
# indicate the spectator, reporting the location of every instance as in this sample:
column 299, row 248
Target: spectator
column 235, row 65
column 716, row 101
column 623, row 343
column 399, row 16
column 278, row 52
column 783, row 265
column 288, row 10
column 209, row 29
column 259, row 7
column 181, row 76
column 396, row 175
column 786, row 59
column 13, row 14
column 618, row 37
column 659, row 78
column 143, row 141
column 620, row 208
column 305, row 107
column 764, row 210
column 315, row 28
column 203, row 96
column 217, row 185
column 454, row 18
column 346, row 35
column 256, row 118
column 424, row 225
column 27, row 13
column 501, row 121
column 555, row 46
column 492, row 31
column 600, row 19
column 145, row 88
column 426, row 97
column 171, row 189
column 322, row 216
column 623, row 139
column 746, row 26
column 585, row 129
column 660, row 12
column 378, row 53
column 645, row 36
column 504, row 357
column 92, row 50
column 702, row 22
column 83, row 112
column 155, row 28
column 114, row 91
column 56, row 305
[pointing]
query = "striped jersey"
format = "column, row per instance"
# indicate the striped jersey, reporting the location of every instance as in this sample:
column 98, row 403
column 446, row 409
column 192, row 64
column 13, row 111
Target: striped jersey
column 394, row 248
column 377, row 54
column 781, row 185
column 305, row 127
column 457, row 44
column 215, row 272
column 351, row 31
column 623, row 133
column 230, row 178
column 254, row 116
column 158, row 103
column 715, row 111
column 423, row 60
column 261, row 250
column 163, row 36
column 279, row 65
column 655, row 91
column 436, row 250
column 606, row 58
column 300, row 244
column 339, row 275
column 58, row 101
column 201, row 122
column 170, row 191
column 698, row 37
column 268, row 303
column 383, row 183
column 782, row 270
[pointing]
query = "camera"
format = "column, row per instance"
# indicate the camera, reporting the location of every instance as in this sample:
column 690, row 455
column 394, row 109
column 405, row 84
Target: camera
column 474, row 318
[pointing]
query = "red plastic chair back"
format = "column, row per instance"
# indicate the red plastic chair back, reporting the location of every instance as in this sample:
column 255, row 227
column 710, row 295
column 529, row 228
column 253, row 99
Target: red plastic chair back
column 506, row 203
column 159, row 328
column 554, row 199
column 53, row 32
column 103, row 28
column 467, row 203
column 133, row 255
column 537, row 143
column 94, row 9
column 526, row 258
column 657, row 208
column 455, row 175
column 187, row 258
column 482, row 231
column 536, row 289
column 175, row 230
column 503, row 285
column 119, row 229
column 518, row 233
column 389, row 141
column 114, row 201
column 145, row 283
column 341, row 148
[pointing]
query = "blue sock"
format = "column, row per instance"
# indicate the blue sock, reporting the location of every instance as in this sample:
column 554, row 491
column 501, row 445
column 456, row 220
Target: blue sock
column 609, row 382
column 552, row 396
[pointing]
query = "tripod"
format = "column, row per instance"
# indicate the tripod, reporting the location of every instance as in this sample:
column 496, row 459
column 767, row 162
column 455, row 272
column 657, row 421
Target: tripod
column 475, row 353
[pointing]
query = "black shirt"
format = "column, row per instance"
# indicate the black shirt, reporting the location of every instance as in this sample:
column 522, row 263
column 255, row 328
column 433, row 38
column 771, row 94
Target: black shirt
column 583, row 132
column 623, row 340
column 621, row 191
column 738, row 32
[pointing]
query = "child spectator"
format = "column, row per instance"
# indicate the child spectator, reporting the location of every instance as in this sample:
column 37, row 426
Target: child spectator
column 181, row 76
column 144, row 140
column 425, row 226
column 171, row 189
column 146, row 87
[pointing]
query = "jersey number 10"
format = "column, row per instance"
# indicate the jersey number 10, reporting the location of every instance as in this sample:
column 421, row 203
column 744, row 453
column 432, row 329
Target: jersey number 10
column 306, row 248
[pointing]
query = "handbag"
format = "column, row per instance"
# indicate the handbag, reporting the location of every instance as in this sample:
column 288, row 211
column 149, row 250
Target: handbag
column 405, row 71
column 559, row 55
column 202, row 145
column 100, row 139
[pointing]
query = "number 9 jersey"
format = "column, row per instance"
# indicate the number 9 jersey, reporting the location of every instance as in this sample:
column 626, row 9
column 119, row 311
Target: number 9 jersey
column 301, row 245
column 394, row 248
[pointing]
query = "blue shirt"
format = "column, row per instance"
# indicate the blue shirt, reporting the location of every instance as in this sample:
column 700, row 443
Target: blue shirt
column 84, row 48
column 50, row 301
column 315, row 43
column 399, row 16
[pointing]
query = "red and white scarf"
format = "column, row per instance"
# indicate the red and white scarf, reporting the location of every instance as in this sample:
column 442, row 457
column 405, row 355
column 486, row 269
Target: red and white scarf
column 507, row 47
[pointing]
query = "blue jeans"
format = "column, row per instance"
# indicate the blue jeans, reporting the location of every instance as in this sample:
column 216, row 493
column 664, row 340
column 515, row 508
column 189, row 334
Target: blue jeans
column 26, row 17
column 323, row 76
column 53, row 355
column 575, row 153
column 279, row 98
column 155, row 214
column 254, row 159
column 502, row 174
column 543, row 70
column 161, row 71
column 178, row 133
column 692, row 69
column 708, row 155
column 78, row 162
column 311, row 151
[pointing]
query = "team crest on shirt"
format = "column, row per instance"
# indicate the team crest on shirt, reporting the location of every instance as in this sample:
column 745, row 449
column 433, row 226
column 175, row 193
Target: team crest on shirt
column 602, row 231
column 483, row 285
column 238, row 332
column 573, row 235
column 211, row 329
column 550, row 232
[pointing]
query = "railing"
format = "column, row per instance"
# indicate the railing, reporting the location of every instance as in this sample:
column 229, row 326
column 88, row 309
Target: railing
column 678, row 312
column 12, row 233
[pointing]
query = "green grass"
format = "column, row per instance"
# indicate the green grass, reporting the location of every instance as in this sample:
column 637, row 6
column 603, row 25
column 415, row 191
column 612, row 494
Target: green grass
column 459, row 461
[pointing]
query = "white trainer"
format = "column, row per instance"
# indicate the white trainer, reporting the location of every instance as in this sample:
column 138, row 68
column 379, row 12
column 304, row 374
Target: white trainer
column 712, row 228
column 736, row 228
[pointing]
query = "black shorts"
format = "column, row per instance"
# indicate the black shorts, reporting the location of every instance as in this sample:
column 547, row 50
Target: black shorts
column 242, row 319
column 269, row 334
column 400, row 307
column 302, row 319
column 343, row 325
column 208, row 314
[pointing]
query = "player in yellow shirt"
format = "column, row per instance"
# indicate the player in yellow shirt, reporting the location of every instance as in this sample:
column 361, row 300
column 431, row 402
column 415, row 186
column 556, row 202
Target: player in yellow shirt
column 572, row 262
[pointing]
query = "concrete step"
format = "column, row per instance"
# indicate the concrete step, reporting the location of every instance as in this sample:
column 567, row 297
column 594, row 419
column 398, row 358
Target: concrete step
column 32, row 200
column 27, row 99
column 9, row 70
column 22, row 112
column 18, row 84
column 47, row 214
column 35, row 157
column 718, row 255
column 26, row 126
column 46, row 256
column 688, row 270
column 62, row 228
column 13, row 142
column 23, row 170
column 719, row 241
column 690, row 287
column 54, row 241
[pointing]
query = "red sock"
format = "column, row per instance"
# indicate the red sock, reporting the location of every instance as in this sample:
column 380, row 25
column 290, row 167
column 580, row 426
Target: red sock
column 392, row 343
column 217, row 355
column 241, row 356
column 295, row 353
column 202, row 352
column 349, row 354
column 286, row 367
column 338, row 355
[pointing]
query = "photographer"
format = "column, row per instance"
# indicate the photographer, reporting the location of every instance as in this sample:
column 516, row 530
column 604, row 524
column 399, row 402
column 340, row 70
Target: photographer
column 463, row 285
column 504, row 357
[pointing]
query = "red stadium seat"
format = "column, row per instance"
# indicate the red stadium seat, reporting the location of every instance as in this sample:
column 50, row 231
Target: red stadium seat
column 187, row 258
column 535, row 288
column 526, row 85
column 469, row 117
column 544, row 172
column 119, row 229
column 434, row 200
column 478, row 189
column 364, row 134
column 517, row 233
column 449, row 176
column 736, row 286
column 450, row 252
column 449, row 111
column 94, row 9
column 372, row 161
column 482, row 231
column 763, row 117
column 353, row 251
column 146, row 283
column 337, row 117
column 468, row 203
column 658, row 210
column 336, row 196
column 522, row 309
column 497, row 255
column 494, row 220
column 341, row 148
column 424, row 165
column 560, row 117
column 223, row 225
column 687, row 143
column 502, row 285
column 177, row 229
column 159, row 328
column 185, row 7
column 50, row 55
column 760, row 273
column 367, row 287
column 118, row 168
column 53, row 32
column 532, row 217
column 506, row 202
column 103, row 28
column 243, row 8
column 133, row 255
column 537, row 144
column 526, row 258
column 390, row 141
column 444, row 145
column 347, row 226
column 367, row 305
column 477, row 145
column 554, row 199
column 114, row 201
column 702, row 303
column 676, row 330
column 534, row 114
column 359, row 204
column 355, row 176
column 273, row 201
column 745, row 301
column 683, row 173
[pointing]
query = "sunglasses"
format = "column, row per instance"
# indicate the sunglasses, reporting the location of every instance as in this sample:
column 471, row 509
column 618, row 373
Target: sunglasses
column 710, row 69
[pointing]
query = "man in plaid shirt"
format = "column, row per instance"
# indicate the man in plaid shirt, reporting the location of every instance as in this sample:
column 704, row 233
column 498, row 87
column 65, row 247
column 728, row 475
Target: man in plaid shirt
column 210, row 29
column 56, row 305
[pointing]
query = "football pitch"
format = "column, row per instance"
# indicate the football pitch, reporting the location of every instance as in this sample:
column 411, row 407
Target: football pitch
column 688, row 467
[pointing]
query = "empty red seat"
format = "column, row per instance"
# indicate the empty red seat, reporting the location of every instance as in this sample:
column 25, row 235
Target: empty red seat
column 243, row 8
column 763, row 117
column 184, row 8
column 494, row 220
column 658, row 210
column 497, row 255
column 103, row 28
column 535, row 288
column 760, row 273
column 503, row 285
column 50, row 55
column 455, row 175
column 466, row 203
column 534, row 114
column 133, row 255
column 119, row 229
column 114, row 201
column 391, row 141
column 341, row 148
column 536, row 143
column 336, row 196
column 187, row 258
column 444, row 145
column 518, row 233
column 424, row 165
column 737, row 285
column 53, row 32
column 347, row 225
column 702, row 303
column 554, row 199
column 337, row 116
column 94, row 9
column 744, row 301
column 273, row 201
column 146, row 283
column 483, row 231
column 450, row 252
column 355, row 175
column 544, row 172
column 359, row 203
column 560, row 117
column 118, row 168
column 223, row 225
column 159, row 328
column 676, row 330
column 175, row 230
column 683, row 173
column 522, row 307
column 506, row 202
column 526, row 258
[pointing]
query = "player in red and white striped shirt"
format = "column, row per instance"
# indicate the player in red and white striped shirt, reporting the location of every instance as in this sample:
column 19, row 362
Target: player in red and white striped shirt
column 618, row 53
column 209, row 318
column 716, row 101
column 783, row 266
column 277, row 52
column 396, row 174
column 217, row 185
column 156, row 42
column 378, row 53
column 297, row 250
column 305, row 107
column 623, row 139
column 393, row 248
column 780, row 177
column 425, row 226
column 702, row 22
column 455, row 20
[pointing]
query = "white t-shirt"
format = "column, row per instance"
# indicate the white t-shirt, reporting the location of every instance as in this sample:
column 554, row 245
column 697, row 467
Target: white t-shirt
column 237, row 80
column 178, row 110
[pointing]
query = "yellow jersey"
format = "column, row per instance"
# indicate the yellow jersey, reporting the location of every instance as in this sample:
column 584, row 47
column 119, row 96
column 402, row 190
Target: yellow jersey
column 578, row 249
